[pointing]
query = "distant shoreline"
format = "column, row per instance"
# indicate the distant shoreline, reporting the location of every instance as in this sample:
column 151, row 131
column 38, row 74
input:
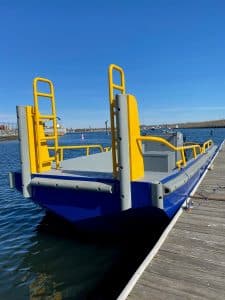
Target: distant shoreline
column 191, row 125
column 8, row 138
column 197, row 125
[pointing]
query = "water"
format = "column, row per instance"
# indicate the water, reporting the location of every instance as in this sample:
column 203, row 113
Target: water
column 42, row 258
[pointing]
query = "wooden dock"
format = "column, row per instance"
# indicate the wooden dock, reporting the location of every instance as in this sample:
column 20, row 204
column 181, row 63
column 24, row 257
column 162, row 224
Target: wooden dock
column 188, row 262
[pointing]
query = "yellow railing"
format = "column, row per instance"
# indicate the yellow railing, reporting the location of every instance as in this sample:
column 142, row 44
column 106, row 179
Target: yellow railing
column 76, row 147
column 206, row 145
column 190, row 143
column 41, row 138
column 106, row 149
column 112, row 87
column 39, row 119
column 182, row 149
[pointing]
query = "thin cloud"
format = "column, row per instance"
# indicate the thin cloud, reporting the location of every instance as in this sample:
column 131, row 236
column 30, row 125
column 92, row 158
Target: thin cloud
column 190, row 108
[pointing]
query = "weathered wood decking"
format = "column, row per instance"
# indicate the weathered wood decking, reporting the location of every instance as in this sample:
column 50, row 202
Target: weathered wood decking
column 190, row 264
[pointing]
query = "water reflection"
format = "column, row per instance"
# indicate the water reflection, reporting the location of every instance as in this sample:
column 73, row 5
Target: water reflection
column 69, row 264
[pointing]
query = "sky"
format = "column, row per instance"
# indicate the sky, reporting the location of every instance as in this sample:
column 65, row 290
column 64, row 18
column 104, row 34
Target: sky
column 172, row 52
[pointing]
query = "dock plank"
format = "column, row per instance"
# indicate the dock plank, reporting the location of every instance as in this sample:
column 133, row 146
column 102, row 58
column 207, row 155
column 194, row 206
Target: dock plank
column 190, row 264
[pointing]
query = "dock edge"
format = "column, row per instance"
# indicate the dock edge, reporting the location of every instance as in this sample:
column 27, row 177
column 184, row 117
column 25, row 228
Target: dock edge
column 131, row 283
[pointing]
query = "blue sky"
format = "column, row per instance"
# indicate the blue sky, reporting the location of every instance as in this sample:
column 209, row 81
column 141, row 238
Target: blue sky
column 173, row 54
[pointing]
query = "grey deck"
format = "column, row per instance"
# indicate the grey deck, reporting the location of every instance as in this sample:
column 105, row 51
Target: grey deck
column 191, row 262
column 97, row 165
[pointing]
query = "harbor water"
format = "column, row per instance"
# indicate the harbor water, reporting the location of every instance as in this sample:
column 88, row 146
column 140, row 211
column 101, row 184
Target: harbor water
column 42, row 257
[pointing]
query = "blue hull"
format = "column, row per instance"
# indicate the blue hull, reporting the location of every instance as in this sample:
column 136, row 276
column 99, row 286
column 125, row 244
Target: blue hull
column 94, row 209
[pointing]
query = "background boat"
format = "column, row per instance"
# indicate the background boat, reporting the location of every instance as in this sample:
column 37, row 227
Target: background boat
column 61, row 130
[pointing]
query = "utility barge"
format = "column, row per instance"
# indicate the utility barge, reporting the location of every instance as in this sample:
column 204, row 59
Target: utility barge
column 137, row 174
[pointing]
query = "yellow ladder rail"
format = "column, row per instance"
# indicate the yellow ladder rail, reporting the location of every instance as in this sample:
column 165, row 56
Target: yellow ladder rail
column 112, row 87
column 38, row 119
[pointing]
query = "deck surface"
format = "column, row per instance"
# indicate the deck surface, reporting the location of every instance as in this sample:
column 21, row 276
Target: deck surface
column 191, row 262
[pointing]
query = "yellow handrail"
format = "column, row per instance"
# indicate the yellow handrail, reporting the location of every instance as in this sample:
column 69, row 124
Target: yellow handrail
column 190, row 143
column 206, row 145
column 87, row 147
column 106, row 149
column 171, row 146
column 122, row 89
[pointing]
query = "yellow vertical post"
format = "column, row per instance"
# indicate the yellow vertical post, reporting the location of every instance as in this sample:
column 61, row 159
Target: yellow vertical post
column 183, row 157
column 121, row 87
column 36, row 125
column 135, row 146
column 31, row 139
column 194, row 152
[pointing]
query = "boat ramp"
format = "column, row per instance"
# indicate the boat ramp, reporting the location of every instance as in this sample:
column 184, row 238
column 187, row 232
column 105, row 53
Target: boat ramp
column 188, row 261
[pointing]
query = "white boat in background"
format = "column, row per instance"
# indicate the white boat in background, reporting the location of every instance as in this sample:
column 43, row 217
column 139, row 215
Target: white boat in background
column 60, row 129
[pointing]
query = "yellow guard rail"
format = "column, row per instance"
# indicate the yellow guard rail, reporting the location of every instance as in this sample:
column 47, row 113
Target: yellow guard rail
column 76, row 147
column 193, row 147
column 206, row 145
column 112, row 87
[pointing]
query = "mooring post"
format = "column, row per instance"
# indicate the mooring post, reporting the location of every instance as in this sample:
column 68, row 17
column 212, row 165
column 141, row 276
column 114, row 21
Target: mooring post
column 24, row 150
column 123, row 151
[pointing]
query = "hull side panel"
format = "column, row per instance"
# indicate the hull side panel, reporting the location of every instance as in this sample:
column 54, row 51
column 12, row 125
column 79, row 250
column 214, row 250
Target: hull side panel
column 78, row 206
